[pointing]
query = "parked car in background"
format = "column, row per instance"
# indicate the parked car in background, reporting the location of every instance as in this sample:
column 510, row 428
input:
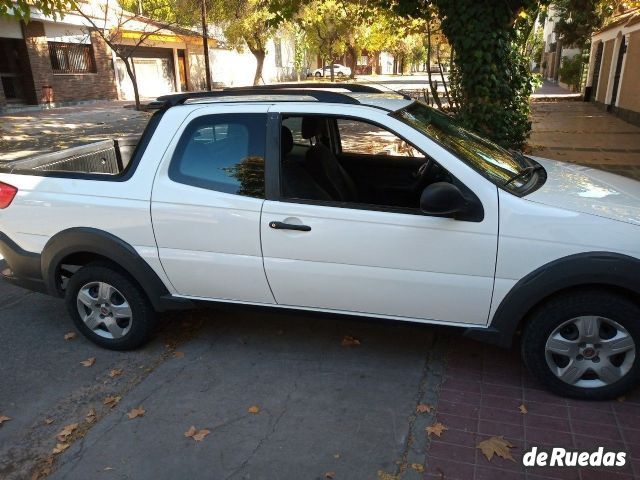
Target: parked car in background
column 338, row 70
column 356, row 202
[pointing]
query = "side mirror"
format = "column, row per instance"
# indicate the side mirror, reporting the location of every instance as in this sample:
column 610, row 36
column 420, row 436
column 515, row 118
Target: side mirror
column 442, row 198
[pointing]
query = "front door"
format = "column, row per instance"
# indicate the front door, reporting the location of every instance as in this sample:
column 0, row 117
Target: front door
column 206, row 204
column 353, row 255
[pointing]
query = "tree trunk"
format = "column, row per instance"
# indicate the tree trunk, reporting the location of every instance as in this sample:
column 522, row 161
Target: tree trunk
column 132, row 77
column 354, row 61
column 333, row 77
column 259, row 54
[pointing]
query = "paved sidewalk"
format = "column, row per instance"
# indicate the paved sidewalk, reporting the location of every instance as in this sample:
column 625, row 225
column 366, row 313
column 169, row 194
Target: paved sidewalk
column 29, row 133
column 480, row 397
column 553, row 91
column 580, row 132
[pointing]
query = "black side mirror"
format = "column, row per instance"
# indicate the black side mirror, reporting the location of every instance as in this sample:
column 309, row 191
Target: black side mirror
column 442, row 198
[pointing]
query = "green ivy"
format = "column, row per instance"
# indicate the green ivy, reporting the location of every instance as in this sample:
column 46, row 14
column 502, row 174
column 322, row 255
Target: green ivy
column 490, row 75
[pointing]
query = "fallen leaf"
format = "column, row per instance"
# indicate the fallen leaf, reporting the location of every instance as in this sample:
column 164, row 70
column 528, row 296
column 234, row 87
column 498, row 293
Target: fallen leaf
column 112, row 401
column 116, row 372
column 197, row 435
column 136, row 412
column 336, row 455
column 59, row 448
column 88, row 362
column 108, row 468
column 4, row 419
column 91, row 416
column 66, row 431
column 330, row 475
column 254, row 409
column 498, row 446
column 622, row 399
column 70, row 336
column 437, row 429
column 48, row 421
column 423, row 408
column 523, row 409
column 386, row 476
column 178, row 354
column 418, row 467
column 349, row 341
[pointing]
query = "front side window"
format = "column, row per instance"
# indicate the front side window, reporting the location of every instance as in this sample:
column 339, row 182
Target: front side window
column 507, row 170
column 223, row 153
column 363, row 138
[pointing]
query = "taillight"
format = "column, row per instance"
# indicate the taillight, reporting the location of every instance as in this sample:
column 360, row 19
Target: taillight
column 7, row 194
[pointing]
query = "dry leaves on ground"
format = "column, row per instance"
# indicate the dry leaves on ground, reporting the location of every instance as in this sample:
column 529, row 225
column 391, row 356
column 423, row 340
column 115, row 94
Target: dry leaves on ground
column 330, row 475
column 59, row 448
column 112, row 401
column 349, row 341
column 197, row 435
column 386, row 476
column 254, row 409
column 48, row 421
column 70, row 336
column 91, row 416
column 88, row 362
column 523, row 409
column 498, row 446
column 4, row 418
column 66, row 432
column 423, row 408
column 115, row 372
column 437, row 429
column 417, row 467
column 178, row 354
column 136, row 412
column 336, row 455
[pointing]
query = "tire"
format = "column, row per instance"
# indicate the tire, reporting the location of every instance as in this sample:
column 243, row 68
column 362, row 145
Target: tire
column 317, row 74
column 340, row 74
column 117, row 314
column 585, row 344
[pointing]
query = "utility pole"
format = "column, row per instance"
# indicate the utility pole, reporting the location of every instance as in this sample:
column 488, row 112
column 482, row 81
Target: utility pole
column 205, row 41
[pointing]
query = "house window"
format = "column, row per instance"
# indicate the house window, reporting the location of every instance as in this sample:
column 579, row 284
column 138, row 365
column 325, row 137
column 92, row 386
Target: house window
column 363, row 60
column 71, row 57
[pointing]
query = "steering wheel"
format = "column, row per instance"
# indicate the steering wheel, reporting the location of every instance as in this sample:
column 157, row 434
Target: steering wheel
column 422, row 174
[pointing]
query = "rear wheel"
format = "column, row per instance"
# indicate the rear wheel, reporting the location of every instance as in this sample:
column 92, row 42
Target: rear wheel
column 585, row 344
column 109, row 308
column 318, row 74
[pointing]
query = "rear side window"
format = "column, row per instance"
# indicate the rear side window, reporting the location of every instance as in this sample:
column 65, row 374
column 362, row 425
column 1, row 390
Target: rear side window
column 223, row 153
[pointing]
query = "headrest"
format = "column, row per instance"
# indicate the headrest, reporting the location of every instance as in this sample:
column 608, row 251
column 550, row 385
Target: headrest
column 286, row 141
column 311, row 126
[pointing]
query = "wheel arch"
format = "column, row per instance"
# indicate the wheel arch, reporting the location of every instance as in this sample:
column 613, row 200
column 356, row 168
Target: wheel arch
column 82, row 245
column 612, row 271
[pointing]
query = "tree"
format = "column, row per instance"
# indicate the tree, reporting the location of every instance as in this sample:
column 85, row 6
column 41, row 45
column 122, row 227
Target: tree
column 113, row 21
column 327, row 24
column 489, row 77
column 21, row 9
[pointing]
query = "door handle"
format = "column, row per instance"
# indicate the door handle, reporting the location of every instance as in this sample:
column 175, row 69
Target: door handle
column 289, row 226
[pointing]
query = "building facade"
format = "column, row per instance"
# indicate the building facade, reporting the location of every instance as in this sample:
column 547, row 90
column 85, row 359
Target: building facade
column 614, row 68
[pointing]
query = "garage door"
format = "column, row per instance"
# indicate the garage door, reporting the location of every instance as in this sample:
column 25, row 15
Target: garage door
column 154, row 71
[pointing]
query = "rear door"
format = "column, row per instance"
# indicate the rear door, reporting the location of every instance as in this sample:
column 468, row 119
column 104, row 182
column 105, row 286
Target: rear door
column 206, row 204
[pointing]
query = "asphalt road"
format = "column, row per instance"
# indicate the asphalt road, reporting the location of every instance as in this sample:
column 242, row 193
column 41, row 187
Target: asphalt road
column 324, row 409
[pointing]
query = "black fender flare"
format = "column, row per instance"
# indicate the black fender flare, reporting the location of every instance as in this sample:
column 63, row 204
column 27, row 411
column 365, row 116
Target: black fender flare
column 581, row 269
column 107, row 245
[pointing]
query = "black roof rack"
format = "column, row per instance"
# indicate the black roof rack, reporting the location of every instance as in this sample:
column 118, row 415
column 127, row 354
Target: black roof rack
column 350, row 87
column 167, row 101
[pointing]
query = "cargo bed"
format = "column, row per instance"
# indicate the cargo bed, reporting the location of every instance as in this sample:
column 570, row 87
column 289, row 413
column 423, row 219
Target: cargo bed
column 109, row 157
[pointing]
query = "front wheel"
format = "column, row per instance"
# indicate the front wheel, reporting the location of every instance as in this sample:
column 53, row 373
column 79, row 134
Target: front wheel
column 318, row 74
column 109, row 308
column 585, row 344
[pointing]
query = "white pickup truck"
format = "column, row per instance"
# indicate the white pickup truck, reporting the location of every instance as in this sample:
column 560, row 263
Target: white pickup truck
column 346, row 201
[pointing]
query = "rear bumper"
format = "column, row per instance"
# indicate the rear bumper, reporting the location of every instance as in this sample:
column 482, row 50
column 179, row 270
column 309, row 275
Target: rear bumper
column 20, row 267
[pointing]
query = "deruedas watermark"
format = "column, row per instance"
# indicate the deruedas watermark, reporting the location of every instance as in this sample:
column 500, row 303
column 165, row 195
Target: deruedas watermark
column 561, row 457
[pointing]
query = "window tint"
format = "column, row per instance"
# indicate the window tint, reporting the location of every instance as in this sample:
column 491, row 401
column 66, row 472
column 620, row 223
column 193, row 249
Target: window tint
column 294, row 124
column 366, row 139
column 224, row 153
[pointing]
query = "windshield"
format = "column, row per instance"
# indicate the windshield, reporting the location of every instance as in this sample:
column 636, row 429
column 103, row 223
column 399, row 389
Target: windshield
column 493, row 162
